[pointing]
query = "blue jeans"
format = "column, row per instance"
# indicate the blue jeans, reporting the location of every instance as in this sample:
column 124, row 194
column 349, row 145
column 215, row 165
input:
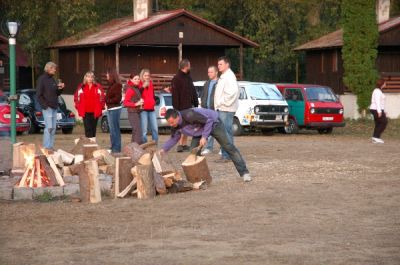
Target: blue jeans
column 149, row 118
column 210, row 143
column 227, row 120
column 50, row 126
column 115, row 131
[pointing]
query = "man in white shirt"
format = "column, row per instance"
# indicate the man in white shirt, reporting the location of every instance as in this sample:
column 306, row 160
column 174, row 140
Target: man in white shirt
column 377, row 109
column 226, row 100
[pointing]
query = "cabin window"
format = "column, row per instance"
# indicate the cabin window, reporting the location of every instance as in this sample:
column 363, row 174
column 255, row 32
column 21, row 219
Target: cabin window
column 335, row 61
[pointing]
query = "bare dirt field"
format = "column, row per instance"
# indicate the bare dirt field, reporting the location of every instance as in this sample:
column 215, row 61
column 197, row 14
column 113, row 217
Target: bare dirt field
column 314, row 199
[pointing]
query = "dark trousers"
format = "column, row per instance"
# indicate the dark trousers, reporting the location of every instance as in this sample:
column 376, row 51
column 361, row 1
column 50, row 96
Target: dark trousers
column 220, row 134
column 90, row 123
column 380, row 123
column 134, row 120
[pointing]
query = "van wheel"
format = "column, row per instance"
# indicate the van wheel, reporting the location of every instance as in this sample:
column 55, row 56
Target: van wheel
column 237, row 128
column 325, row 130
column 292, row 127
column 104, row 125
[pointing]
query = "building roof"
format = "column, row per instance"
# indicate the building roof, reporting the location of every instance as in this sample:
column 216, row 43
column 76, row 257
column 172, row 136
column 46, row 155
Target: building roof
column 335, row 39
column 21, row 55
column 122, row 28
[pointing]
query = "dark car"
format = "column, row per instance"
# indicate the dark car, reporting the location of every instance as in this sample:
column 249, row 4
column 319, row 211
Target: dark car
column 29, row 105
column 22, row 123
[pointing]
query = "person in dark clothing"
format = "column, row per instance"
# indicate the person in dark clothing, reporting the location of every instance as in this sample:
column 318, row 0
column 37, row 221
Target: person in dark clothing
column 47, row 92
column 200, row 124
column 133, row 103
column 113, row 102
column 207, row 101
column 184, row 95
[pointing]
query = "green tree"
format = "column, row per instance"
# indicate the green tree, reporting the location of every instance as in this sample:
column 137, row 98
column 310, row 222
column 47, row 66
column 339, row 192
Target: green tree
column 359, row 52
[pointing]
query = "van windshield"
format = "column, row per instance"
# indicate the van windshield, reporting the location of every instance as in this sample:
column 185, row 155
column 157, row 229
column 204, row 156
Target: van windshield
column 260, row 91
column 323, row 94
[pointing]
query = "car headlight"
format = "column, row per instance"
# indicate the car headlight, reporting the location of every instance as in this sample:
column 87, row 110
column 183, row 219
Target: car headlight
column 341, row 111
column 24, row 120
column 312, row 110
column 286, row 109
column 256, row 109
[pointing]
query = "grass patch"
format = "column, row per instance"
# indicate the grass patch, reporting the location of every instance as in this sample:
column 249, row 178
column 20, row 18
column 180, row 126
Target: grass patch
column 46, row 196
column 365, row 127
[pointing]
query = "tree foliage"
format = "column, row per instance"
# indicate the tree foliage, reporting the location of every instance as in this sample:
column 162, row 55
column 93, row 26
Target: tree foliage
column 359, row 52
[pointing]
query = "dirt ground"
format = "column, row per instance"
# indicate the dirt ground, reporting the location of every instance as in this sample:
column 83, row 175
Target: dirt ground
column 314, row 199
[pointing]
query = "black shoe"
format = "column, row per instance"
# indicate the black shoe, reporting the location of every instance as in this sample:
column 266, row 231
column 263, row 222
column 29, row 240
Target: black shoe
column 179, row 148
column 186, row 148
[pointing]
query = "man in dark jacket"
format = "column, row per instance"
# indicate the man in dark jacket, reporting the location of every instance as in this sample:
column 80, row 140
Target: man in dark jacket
column 47, row 91
column 207, row 101
column 200, row 124
column 184, row 95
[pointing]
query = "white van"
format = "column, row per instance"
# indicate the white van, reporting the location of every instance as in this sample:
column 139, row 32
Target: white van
column 261, row 106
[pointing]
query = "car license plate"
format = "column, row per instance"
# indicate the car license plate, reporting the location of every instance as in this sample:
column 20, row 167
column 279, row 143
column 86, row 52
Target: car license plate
column 8, row 116
column 59, row 116
column 327, row 118
column 278, row 117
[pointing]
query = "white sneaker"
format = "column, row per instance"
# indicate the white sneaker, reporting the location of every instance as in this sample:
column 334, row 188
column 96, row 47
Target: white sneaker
column 377, row 140
column 247, row 177
column 206, row 152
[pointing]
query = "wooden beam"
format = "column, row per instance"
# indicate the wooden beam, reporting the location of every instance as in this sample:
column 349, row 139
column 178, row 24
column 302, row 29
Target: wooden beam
column 117, row 57
column 241, row 62
column 56, row 172
column 123, row 176
column 128, row 188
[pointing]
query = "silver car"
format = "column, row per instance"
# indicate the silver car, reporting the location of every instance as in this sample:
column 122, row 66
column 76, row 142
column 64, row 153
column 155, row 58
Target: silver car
column 163, row 103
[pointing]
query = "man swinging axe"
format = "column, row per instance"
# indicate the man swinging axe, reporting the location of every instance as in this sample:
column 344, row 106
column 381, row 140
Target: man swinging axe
column 200, row 124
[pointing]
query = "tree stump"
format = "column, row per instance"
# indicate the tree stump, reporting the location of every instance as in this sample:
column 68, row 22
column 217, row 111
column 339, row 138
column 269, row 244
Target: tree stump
column 145, row 181
column 123, row 176
column 105, row 155
column 134, row 151
column 196, row 169
column 84, row 182
column 88, row 150
column 92, row 172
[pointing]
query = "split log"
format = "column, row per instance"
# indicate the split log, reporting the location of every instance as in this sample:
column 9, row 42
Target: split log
column 84, row 182
column 202, row 185
column 105, row 155
column 92, row 171
column 145, row 159
column 38, row 173
column 48, row 170
column 159, row 183
column 57, row 159
column 78, row 159
column 88, row 150
column 134, row 151
column 145, row 181
column 74, row 169
column 148, row 144
column 168, row 182
column 180, row 186
column 66, row 172
column 20, row 150
column 78, row 148
column 196, row 168
column 56, row 172
column 103, row 169
column 125, row 192
column 66, row 157
column 161, row 164
column 123, row 176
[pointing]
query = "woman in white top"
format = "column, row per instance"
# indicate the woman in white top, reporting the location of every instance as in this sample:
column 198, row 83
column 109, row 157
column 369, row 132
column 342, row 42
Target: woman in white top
column 377, row 109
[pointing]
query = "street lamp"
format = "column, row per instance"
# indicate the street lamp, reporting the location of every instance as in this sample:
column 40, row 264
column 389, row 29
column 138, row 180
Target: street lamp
column 12, row 30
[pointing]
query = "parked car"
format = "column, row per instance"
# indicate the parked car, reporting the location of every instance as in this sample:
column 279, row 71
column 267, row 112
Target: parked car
column 22, row 124
column 312, row 107
column 29, row 105
column 163, row 103
column 261, row 106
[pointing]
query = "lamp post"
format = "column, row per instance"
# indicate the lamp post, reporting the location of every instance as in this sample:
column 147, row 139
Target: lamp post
column 12, row 30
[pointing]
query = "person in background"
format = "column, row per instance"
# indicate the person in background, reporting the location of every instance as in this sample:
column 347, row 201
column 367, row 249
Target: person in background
column 207, row 101
column 47, row 92
column 377, row 109
column 89, row 101
column 133, row 102
column 226, row 100
column 148, row 115
column 113, row 102
column 184, row 96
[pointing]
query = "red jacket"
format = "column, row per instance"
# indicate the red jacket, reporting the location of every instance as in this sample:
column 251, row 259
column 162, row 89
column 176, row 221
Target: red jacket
column 81, row 99
column 148, row 96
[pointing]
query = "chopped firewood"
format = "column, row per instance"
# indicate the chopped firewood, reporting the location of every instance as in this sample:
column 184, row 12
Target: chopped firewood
column 201, row 185
column 145, row 181
column 145, row 159
column 107, row 157
column 92, row 171
column 57, row 159
column 66, row 157
column 88, row 150
column 48, row 170
column 84, row 182
column 66, row 171
column 78, row 148
column 147, row 145
column 159, row 183
column 134, row 192
column 38, row 173
column 196, row 168
column 78, row 159
column 123, row 175
column 103, row 169
column 168, row 182
column 180, row 186
column 128, row 188
column 134, row 151
column 56, row 172
column 161, row 164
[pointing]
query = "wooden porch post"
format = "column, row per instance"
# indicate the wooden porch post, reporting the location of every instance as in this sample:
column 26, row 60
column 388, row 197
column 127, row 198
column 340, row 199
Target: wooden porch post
column 180, row 35
column 117, row 57
column 297, row 70
column 241, row 61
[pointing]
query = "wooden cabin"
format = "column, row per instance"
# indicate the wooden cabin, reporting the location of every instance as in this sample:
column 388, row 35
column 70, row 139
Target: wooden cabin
column 324, row 64
column 154, row 42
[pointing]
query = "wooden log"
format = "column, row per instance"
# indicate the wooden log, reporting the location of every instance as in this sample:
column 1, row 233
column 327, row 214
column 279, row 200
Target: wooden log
column 159, row 183
column 105, row 155
column 66, row 157
column 180, row 186
column 74, row 169
column 56, row 172
column 103, row 169
column 66, row 171
column 20, row 151
column 161, row 164
column 201, row 185
column 148, row 144
column 57, row 159
column 88, row 150
column 78, row 158
column 123, row 176
column 84, row 182
column 38, row 172
column 92, row 171
column 48, row 170
column 128, row 188
column 145, row 181
column 145, row 159
column 196, row 168
column 134, row 151
column 78, row 148
column 22, row 182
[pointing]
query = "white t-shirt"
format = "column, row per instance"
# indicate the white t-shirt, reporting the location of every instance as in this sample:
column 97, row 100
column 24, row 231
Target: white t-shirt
column 377, row 100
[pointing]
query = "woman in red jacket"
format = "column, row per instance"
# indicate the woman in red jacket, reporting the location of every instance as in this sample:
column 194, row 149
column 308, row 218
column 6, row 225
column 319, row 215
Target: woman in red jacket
column 89, row 101
column 133, row 102
column 148, row 115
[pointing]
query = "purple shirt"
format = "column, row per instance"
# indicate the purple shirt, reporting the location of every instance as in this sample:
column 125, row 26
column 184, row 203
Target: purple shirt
column 196, row 122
